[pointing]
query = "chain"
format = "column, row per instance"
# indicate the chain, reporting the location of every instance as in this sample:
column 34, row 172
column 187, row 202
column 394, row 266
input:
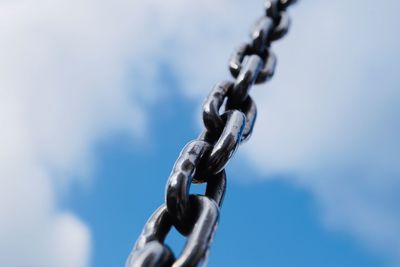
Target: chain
column 229, row 114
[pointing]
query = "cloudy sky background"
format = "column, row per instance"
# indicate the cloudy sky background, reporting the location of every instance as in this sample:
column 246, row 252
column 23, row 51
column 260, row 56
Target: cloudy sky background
column 79, row 78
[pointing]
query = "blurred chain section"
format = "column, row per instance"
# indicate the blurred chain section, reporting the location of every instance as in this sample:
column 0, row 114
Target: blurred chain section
column 229, row 114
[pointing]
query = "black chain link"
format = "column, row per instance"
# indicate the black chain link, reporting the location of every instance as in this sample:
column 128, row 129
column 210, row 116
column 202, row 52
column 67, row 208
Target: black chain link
column 229, row 114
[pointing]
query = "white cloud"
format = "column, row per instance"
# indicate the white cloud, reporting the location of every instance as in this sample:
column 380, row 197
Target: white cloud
column 71, row 73
column 330, row 117
column 63, row 86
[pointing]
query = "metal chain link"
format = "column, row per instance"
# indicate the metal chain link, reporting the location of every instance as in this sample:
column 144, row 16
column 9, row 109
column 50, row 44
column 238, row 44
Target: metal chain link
column 229, row 114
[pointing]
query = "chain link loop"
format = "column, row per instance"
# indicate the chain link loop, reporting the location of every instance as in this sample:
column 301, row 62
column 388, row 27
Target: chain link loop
column 229, row 115
column 224, row 147
column 179, row 181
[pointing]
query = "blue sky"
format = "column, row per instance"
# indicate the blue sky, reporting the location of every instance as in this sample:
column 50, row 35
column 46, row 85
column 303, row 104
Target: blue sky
column 262, row 223
column 97, row 98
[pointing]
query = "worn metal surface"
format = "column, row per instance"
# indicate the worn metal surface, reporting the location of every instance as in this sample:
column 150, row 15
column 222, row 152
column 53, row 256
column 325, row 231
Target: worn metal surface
column 229, row 114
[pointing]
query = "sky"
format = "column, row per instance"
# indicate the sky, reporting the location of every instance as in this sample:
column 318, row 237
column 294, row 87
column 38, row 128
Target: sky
column 97, row 98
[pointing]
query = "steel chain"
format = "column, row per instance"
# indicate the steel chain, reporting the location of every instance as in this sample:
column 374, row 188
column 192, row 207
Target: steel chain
column 229, row 114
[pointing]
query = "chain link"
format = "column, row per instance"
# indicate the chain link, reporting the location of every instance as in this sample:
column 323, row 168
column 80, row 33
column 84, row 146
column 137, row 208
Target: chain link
column 229, row 114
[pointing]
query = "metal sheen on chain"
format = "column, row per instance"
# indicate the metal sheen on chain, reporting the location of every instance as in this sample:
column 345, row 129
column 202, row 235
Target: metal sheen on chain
column 229, row 114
